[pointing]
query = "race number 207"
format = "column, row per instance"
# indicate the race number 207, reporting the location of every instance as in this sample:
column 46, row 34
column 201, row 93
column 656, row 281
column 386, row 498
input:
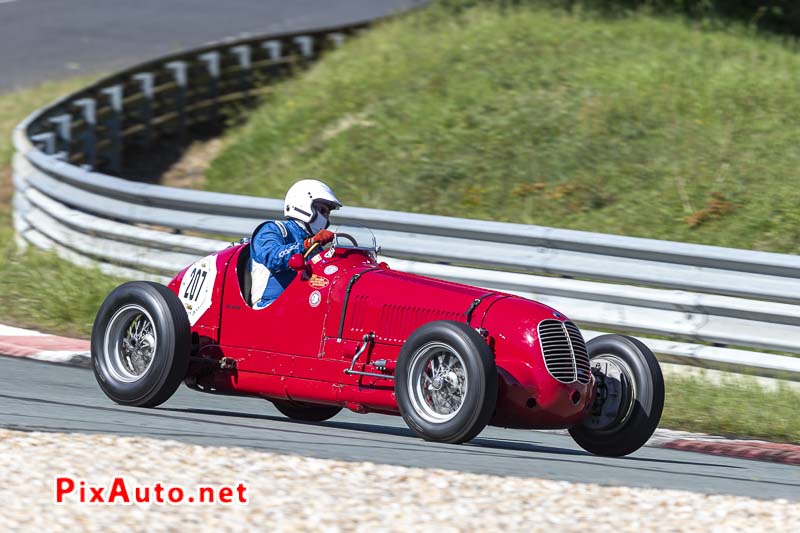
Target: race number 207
column 197, row 277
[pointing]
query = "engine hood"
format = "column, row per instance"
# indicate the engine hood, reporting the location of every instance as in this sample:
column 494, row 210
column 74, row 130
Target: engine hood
column 513, row 321
column 393, row 304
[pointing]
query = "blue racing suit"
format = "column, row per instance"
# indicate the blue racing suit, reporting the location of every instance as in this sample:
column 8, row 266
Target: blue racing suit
column 272, row 244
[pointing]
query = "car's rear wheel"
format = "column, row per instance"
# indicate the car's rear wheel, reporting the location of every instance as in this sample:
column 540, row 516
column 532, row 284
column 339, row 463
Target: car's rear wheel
column 140, row 344
column 446, row 382
column 629, row 397
column 307, row 412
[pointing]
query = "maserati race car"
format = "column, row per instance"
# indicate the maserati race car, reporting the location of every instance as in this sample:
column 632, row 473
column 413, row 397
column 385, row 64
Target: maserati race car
column 349, row 332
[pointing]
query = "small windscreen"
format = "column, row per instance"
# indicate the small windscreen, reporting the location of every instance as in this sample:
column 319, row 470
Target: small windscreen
column 354, row 237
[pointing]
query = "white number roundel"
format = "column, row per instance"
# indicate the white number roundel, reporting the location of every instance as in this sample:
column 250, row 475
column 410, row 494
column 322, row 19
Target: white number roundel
column 197, row 287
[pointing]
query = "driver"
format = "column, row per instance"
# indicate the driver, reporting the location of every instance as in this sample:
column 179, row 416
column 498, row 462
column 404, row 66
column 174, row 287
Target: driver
column 306, row 207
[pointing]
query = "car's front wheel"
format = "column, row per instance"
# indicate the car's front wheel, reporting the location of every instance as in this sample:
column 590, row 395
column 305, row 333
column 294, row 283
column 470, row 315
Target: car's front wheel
column 629, row 397
column 140, row 344
column 446, row 382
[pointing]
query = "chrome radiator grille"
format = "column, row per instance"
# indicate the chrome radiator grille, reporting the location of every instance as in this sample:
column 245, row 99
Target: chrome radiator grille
column 564, row 351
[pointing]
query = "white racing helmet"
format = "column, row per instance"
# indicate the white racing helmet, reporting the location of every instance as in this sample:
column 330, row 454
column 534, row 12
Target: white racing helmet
column 300, row 200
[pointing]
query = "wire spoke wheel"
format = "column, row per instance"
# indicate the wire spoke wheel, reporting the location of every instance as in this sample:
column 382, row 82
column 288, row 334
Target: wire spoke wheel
column 130, row 343
column 141, row 342
column 438, row 382
column 446, row 382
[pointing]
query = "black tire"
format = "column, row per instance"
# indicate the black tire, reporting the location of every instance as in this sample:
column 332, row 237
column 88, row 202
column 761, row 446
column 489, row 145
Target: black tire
column 306, row 412
column 115, row 373
column 625, row 427
column 472, row 357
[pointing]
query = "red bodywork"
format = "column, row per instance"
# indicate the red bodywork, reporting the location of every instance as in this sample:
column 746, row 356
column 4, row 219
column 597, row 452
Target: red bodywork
column 298, row 351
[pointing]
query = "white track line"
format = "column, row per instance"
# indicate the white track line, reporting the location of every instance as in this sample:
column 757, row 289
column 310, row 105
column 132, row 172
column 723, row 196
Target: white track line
column 12, row 331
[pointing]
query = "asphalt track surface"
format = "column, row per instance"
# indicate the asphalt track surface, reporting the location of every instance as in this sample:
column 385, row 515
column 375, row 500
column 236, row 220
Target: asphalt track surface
column 54, row 39
column 36, row 396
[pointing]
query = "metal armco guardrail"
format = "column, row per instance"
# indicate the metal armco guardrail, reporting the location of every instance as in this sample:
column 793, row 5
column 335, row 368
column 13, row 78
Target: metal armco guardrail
column 714, row 305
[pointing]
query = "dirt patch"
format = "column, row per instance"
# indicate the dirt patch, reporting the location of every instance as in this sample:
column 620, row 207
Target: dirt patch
column 716, row 207
column 189, row 171
column 345, row 123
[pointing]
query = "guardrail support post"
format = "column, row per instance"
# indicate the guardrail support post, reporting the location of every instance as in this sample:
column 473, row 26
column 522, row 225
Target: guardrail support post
column 63, row 125
column 242, row 53
column 180, row 73
column 273, row 49
column 212, row 60
column 145, row 80
column 45, row 142
column 336, row 38
column 89, row 137
column 114, row 125
column 306, row 45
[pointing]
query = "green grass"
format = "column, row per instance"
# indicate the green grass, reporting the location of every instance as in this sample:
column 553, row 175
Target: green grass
column 736, row 407
column 38, row 289
column 637, row 125
column 41, row 291
column 17, row 105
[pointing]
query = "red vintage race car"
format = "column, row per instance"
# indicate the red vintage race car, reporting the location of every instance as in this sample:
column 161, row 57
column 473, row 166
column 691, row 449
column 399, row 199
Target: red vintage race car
column 350, row 332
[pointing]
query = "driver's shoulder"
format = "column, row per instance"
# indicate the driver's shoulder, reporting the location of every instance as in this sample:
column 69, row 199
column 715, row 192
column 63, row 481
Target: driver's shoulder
column 294, row 229
column 271, row 227
column 274, row 231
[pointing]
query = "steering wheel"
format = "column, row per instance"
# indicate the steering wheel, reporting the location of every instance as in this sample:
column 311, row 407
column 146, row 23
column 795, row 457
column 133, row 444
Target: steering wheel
column 348, row 237
column 311, row 248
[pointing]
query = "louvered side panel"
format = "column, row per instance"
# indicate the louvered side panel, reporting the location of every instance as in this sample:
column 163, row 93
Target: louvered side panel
column 357, row 314
column 397, row 322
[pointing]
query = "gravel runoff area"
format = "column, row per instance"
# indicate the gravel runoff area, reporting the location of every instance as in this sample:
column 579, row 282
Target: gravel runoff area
column 288, row 493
